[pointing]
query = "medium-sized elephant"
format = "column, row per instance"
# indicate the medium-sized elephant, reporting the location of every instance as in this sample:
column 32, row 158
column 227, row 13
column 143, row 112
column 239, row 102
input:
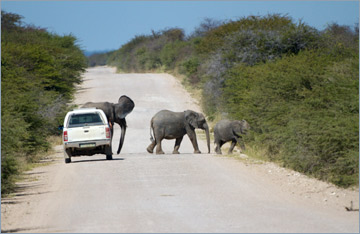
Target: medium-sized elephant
column 226, row 130
column 115, row 113
column 174, row 125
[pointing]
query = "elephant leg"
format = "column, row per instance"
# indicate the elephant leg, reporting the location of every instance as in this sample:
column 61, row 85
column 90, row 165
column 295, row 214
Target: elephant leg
column 177, row 145
column 158, row 138
column 151, row 147
column 158, row 147
column 111, row 125
column 241, row 143
column 218, row 146
column 233, row 143
column 193, row 140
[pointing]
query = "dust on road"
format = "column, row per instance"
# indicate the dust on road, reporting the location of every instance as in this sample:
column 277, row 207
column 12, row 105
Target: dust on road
column 142, row 192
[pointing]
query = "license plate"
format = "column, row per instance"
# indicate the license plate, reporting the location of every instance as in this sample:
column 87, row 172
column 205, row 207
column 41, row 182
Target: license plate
column 87, row 145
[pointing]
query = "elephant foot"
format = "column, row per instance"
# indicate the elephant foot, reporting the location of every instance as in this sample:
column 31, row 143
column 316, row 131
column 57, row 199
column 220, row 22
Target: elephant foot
column 160, row 152
column 217, row 150
column 197, row 152
column 176, row 152
column 150, row 150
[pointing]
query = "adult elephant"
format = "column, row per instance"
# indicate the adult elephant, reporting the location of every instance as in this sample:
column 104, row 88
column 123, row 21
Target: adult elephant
column 226, row 130
column 115, row 113
column 174, row 125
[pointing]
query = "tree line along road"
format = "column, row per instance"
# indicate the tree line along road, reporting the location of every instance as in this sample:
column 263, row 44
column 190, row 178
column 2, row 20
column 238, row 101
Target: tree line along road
column 142, row 192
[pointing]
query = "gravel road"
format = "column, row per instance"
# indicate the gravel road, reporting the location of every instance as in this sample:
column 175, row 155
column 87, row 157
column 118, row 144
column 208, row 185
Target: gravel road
column 142, row 192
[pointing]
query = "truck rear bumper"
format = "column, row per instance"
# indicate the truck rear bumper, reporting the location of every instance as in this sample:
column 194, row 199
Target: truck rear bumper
column 87, row 148
column 86, row 144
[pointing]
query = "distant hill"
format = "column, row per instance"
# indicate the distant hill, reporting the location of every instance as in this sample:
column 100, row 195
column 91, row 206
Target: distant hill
column 98, row 58
column 89, row 53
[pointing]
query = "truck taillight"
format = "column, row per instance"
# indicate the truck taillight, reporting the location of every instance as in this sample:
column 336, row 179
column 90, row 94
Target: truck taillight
column 107, row 132
column 65, row 136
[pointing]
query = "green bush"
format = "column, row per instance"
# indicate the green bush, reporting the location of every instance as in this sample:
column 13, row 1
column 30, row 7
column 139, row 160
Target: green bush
column 249, row 41
column 295, row 85
column 9, row 169
column 171, row 53
column 303, row 110
column 190, row 68
column 39, row 72
column 216, row 38
column 150, row 53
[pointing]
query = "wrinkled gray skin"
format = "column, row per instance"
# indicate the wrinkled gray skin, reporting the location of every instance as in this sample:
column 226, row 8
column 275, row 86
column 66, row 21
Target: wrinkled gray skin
column 174, row 125
column 226, row 130
column 115, row 113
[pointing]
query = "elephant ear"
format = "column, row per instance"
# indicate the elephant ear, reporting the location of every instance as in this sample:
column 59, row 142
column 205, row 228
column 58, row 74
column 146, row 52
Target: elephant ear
column 244, row 126
column 236, row 126
column 191, row 118
column 125, row 106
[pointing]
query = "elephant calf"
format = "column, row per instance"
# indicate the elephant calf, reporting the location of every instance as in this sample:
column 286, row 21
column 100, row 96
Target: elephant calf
column 226, row 130
column 174, row 125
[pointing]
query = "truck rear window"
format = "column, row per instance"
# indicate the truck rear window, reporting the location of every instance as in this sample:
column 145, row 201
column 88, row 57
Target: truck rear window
column 88, row 119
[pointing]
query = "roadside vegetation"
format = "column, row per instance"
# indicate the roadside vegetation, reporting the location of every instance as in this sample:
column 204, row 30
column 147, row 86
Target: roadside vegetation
column 297, row 86
column 98, row 59
column 39, row 71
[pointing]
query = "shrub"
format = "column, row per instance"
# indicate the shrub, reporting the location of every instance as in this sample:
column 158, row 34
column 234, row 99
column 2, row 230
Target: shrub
column 189, row 67
column 249, row 42
column 295, row 85
column 215, row 38
column 39, row 72
column 206, row 26
column 303, row 110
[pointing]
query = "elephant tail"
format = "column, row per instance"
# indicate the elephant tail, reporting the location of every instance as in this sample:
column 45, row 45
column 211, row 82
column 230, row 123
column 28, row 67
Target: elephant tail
column 151, row 133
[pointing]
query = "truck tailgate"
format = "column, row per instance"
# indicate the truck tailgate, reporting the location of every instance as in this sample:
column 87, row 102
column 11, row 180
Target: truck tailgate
column 86, row 133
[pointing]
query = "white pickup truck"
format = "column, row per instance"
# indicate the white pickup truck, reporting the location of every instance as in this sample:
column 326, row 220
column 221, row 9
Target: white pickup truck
column 86, row 131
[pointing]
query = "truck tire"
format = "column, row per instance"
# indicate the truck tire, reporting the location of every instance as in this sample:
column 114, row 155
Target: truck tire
column 108, row 152
column 68, row 153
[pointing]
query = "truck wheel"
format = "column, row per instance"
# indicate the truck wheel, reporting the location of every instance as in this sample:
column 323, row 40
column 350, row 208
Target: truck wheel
column 68, row 154
column 108, row 152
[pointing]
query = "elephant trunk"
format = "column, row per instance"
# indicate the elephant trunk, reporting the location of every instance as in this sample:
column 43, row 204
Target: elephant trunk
column 122, row 137
column 206, row 128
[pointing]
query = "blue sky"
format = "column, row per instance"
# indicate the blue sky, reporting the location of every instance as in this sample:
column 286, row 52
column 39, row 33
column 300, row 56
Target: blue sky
column 106, row 25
